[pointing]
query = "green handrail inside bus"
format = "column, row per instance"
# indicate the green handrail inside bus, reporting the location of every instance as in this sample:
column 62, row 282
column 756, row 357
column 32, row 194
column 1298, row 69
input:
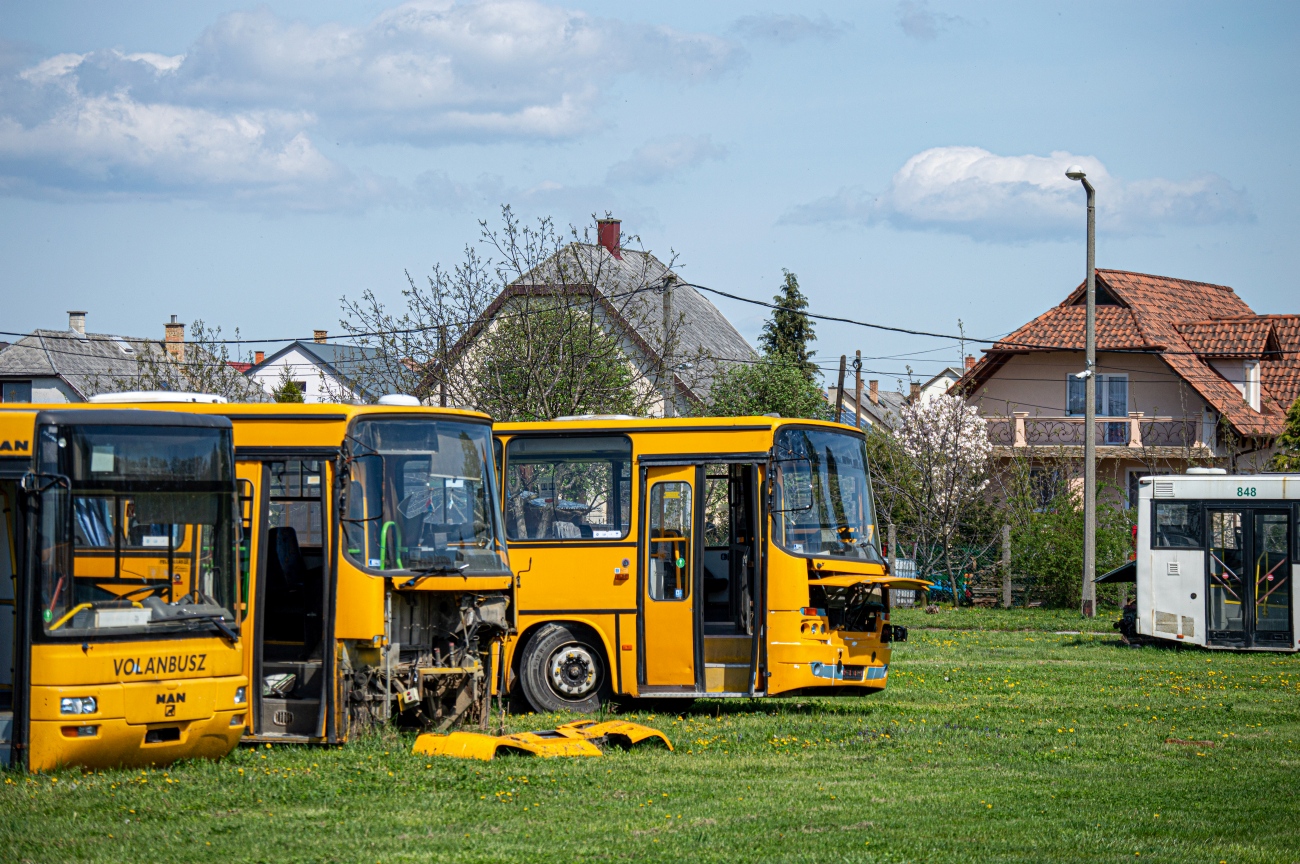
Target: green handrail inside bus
column 383, row 545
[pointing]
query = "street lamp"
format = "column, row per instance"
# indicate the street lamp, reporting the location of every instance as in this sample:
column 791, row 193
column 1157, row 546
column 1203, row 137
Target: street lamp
column 1075, row 172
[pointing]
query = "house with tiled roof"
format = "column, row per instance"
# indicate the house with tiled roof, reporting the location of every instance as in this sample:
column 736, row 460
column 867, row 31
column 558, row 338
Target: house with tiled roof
column 1187, row 374
column 70, row 365
column 323, row 371
column 676, row 344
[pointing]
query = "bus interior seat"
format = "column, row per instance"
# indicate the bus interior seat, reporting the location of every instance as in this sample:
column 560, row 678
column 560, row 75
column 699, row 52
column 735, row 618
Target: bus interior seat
column 286, row 569
column 294, row 592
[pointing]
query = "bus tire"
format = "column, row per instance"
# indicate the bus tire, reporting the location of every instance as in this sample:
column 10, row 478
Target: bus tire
column 564, row 669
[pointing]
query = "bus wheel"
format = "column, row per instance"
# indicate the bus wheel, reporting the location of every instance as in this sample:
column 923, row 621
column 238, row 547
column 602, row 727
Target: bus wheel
column 564, row 669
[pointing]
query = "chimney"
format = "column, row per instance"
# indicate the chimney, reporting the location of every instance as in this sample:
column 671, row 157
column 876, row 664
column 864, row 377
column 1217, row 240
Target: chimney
column 916, row 391
column 258, row 356
column 319, row 335
column 873, row 392
column 77, row 322
column 175, row 339
column 607, row 233
column 970, row 361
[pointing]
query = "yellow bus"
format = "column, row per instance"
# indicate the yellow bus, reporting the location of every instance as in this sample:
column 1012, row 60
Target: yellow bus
column 691, row 558
column 374, row 576
column 120, row 626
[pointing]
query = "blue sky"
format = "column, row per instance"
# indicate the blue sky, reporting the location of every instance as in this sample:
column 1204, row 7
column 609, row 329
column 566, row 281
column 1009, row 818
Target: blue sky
column 251, row 165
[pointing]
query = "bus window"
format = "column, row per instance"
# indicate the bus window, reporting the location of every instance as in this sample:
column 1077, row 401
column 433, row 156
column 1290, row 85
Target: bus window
column 1178, row 526
column 141, row 550
column 821, row 495
column 568, row 488
column 420, row 498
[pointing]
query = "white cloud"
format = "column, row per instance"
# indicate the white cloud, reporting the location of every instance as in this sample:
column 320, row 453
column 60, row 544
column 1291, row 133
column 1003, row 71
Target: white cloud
column 919, row 22
column 661, row 158
column 240, row 111
column 787, row 29
column 970, row 191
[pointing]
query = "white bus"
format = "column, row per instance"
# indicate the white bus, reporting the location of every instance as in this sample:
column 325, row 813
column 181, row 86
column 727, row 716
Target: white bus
column 1216, row 559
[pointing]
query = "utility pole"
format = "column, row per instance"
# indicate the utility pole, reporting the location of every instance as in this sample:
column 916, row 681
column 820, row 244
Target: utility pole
column 839, row 390
column 857, row 399
column 667, row 358
column 1089, row 609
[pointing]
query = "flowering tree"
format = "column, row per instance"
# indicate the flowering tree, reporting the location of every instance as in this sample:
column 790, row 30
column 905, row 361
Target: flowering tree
column 947, row 447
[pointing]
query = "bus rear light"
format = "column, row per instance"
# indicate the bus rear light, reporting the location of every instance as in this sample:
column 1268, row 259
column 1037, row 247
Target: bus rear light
column 78, row 705
column 812, row 610
column 80, row 731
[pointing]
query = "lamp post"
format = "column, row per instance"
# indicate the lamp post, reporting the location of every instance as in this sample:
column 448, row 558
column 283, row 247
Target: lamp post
column 1074, row 172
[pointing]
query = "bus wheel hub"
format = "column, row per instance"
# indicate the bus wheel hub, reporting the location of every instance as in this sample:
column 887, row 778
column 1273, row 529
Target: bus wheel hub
column 573, row 671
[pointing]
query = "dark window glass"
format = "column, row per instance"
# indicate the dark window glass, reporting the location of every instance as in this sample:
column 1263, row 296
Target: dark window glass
column 16, row 391
column 296, row 499
column 420, row 498
column 821, row 496
column 109, row 456
column 1178, row 525
column 131, row 549
column 568, row 488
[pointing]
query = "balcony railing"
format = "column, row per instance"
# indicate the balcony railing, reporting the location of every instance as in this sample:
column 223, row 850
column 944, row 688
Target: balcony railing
column 1136, row 431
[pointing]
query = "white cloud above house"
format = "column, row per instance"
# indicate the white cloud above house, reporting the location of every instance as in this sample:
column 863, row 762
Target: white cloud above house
column 662, row 158
column 246, row 109
column 972, row 192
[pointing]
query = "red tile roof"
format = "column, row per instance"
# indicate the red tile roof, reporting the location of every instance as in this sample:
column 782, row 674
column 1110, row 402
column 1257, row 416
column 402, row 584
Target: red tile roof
column 1280, row 373
column 1187, row 323
column 1230, row 337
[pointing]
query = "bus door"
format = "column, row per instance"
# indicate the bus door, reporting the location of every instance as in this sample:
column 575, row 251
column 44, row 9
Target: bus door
column 669, row 592
column 730, row 568
column 9, row 571
column 294, row 653
column 1248, row 588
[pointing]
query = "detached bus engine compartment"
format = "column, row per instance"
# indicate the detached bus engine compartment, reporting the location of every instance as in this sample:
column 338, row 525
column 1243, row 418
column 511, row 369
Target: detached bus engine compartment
column 434, row 672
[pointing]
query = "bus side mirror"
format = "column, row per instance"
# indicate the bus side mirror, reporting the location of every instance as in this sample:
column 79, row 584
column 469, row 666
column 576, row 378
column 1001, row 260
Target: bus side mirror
column 790, row 485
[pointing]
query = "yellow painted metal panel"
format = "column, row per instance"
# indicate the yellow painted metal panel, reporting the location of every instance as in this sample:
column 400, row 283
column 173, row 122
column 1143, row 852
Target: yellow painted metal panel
column 359, row 609
column 117, row 743
column 118, row 662
column 585, row 577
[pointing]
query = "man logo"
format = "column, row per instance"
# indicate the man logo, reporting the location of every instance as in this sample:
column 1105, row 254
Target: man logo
column 170, row 700
column 14, row 446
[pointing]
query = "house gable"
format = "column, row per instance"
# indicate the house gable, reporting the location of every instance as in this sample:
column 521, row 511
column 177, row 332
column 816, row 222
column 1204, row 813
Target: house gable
column 1195, row 328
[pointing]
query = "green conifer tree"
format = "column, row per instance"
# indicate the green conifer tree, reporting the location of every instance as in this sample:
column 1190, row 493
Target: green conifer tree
column 789, row 330
column 1287, row 457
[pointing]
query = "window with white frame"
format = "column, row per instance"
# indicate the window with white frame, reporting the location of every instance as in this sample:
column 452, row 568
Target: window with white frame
column 1112, row 396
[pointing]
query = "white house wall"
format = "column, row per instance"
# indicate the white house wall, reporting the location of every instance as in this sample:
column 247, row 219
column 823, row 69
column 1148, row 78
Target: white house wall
column 321, row 386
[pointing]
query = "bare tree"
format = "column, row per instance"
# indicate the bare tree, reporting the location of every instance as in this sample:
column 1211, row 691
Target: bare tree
column 545, row 324
column 201, row 364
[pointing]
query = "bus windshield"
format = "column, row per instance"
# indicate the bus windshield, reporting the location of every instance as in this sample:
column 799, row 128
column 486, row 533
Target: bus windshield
column 421, row 498
column 136, row 531
column 821, row 497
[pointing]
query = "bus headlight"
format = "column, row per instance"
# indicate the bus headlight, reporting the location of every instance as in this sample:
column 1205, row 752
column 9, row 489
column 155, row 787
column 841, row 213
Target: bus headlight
column 78, row 705
column 241, row 695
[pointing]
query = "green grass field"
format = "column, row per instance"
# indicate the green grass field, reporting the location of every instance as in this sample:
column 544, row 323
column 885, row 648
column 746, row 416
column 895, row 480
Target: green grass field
column 1007, row 743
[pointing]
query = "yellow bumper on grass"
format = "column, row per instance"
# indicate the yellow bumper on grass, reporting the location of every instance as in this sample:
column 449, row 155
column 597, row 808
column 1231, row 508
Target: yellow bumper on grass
column 580, row 738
